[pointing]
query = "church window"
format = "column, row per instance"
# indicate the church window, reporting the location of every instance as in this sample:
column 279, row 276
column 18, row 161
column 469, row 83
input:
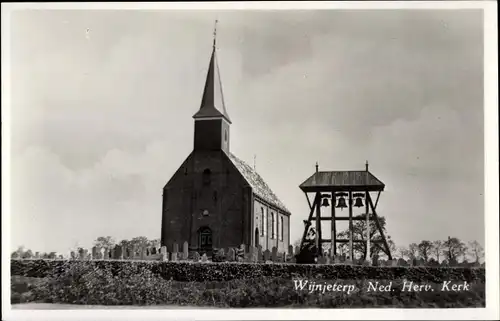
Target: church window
column 273, row 225
column 225, row 135
column 262, row 220
column 206, row 177
column 281, row 228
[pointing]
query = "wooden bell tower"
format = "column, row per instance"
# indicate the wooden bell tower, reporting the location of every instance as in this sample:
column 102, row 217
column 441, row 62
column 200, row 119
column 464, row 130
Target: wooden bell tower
column 339, row 190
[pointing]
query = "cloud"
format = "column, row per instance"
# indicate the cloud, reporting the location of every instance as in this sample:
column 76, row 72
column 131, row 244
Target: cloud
column 107, row 120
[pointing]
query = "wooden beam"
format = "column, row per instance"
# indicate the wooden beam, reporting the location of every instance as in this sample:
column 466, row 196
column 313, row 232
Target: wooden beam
column 388, row 251
column 308, row 200
column 367, row 257
column 355, row 241
column 333, row 250
column 318, row 224
column 351, row 249
column 376, row 202
column 306, row 228
column 341, row 218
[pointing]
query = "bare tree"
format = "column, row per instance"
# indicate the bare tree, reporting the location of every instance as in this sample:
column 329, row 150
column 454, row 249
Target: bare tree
column 476, row 250
column 402, row 252
column 412, row 250
column 424, row 249
column 454, row 248
column 437, row 247
column 105, row 242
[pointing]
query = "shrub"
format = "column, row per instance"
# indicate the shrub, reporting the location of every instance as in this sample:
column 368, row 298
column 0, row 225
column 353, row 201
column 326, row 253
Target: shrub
column 226, row 271
column 75, row 286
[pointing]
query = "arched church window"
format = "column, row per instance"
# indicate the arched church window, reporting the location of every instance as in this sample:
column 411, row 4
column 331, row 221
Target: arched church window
column 207, row 177
column 282, row 229
column 262, row 220
column 273, row 226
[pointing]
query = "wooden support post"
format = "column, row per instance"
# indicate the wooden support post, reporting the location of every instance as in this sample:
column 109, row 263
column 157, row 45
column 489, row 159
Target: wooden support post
column 351, row 250
column 308, row 201
column 367, row 227
column 388, row 252
column 306, row 228
column 334, row 227
column 378, row 197
column 318, row 224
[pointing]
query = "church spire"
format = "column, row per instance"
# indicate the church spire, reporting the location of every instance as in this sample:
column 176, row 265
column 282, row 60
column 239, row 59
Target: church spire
column 212, row 102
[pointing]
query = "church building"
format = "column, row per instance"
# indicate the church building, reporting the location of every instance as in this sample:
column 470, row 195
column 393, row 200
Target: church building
column 214, row 199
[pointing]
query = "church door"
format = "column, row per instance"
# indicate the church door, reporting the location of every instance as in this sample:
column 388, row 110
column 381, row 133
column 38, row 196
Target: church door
column 205, row 238
column 256, row 237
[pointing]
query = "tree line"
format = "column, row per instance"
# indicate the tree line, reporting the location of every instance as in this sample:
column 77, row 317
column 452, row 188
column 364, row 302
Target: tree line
column 451, row 249
column 106, row 242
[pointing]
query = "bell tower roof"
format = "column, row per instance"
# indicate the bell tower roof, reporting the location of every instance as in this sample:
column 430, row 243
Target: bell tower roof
column 212, row 101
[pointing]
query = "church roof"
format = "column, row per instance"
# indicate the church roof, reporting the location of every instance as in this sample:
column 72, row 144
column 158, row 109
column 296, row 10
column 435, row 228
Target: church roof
column 212, row 102
column 259, row 186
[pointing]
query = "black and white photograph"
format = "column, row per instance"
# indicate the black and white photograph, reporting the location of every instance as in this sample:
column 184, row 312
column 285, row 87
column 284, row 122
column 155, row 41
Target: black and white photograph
column 237, row 160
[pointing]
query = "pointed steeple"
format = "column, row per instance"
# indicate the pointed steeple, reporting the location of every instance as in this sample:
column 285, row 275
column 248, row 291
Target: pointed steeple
column 212, row 102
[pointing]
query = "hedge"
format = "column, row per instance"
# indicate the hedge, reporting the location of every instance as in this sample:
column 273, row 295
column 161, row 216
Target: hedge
column 226, row 271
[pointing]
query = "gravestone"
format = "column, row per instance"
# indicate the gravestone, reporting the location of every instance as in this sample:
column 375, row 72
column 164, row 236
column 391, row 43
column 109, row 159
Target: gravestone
column 196, row 257
column 260, row 255
column 204, row 258
column 153, row 251
column 185, row 250
column 321, row 260
column 375, row 260
column 124, row 252
column 297, row 250
column 252, row 254
column 274, row 254
column 175, row 248
column 230, row 255
column 267, row 255
column 290, row 250
column 143, row 252
column 118, row 255
column 173, row 257
column 164, row 253
column 94, row 253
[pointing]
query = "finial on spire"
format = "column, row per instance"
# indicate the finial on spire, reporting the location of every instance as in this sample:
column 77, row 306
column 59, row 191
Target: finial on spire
column 317, row 167
column 366, row 165
column 215, row 32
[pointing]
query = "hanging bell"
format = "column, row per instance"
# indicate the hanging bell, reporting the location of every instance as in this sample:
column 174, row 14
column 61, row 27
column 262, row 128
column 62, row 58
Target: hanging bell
column 358, row 202
column 341, row 203
column 325, row 202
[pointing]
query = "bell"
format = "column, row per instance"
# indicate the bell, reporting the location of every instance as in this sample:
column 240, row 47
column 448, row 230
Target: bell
column 325, row 202
column 341, row 203
column 359, row 202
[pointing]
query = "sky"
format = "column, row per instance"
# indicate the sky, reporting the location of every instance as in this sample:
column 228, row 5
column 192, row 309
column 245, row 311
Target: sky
column 102, row 105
